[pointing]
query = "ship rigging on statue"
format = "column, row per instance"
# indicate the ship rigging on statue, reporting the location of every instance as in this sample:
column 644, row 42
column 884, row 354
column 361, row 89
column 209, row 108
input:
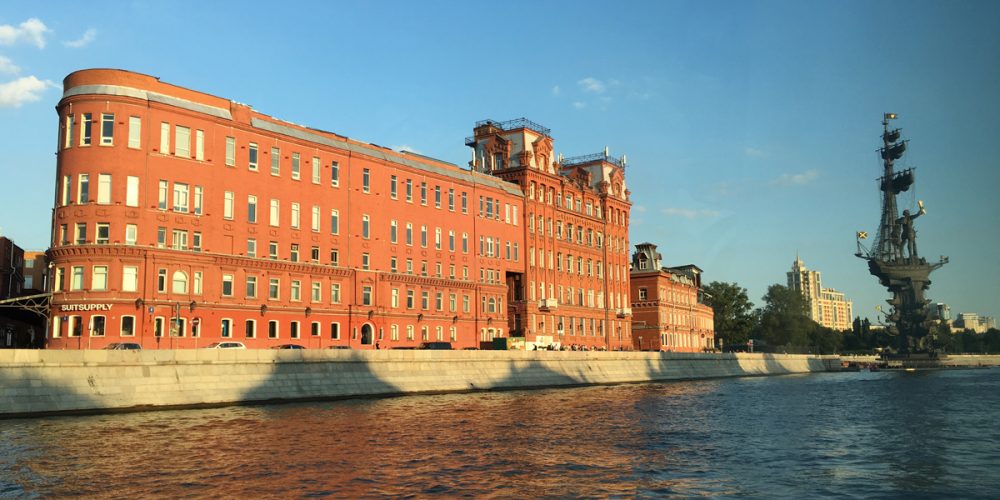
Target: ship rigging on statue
column 893, row 258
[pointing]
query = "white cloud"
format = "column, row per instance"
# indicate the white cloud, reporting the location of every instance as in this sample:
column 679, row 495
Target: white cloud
column 31, row 31
column 593, row 85
column 579, row 104
column 755, row 153
column 25, row 89
column 556, row 90
column 406, row 149
column 799, row 179
column 88, row 36
column 689, row 213
column 8, row 67
column 639, row 209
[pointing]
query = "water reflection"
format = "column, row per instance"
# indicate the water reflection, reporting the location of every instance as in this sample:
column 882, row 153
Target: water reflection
column 857, row 434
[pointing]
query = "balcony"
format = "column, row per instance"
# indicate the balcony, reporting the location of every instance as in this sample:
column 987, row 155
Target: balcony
column 549, row 304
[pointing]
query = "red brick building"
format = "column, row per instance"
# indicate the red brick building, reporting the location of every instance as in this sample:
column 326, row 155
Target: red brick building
column 668, row 307
column 183, row 218
column 576, row 215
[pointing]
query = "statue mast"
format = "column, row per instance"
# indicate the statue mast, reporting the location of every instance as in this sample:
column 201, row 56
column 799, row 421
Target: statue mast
column 893, row 258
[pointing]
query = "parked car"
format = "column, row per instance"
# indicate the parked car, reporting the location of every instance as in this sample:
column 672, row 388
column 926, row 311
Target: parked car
column 226, row 345
column 123, row 346
column 339, row 347
column 443, row 346
column 288, row 346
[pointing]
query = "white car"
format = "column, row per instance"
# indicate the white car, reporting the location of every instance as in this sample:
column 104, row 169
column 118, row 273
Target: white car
column 226, row 345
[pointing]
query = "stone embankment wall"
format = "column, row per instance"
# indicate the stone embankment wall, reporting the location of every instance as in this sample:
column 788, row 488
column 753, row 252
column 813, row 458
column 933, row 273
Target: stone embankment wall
column 38, row 382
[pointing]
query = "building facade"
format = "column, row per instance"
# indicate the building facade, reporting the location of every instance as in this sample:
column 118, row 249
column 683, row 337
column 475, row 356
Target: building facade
column 35, row 272
column 11, row 269
column 827, row 306
column 667, row 305
column 574, row 291
column 182, row 218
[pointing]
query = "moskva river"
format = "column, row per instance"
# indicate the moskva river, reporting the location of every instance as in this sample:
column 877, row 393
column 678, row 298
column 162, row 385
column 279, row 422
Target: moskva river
column 931, row 434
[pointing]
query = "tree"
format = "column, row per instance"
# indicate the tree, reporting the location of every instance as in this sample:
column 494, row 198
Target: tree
column 733, row 311
column 783, row 319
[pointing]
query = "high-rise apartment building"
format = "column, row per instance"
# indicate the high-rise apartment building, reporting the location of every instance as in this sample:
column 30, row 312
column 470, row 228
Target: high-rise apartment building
column 827, row 306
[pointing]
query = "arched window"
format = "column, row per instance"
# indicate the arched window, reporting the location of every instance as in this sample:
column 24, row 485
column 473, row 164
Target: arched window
column 492, row 305
column 180, row 282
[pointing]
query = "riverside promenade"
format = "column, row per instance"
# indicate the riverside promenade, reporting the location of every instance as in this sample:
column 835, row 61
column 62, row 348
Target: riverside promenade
column 34, row 382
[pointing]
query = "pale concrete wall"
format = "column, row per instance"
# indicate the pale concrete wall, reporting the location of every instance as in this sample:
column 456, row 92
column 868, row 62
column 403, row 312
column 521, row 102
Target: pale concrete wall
column 58, row 381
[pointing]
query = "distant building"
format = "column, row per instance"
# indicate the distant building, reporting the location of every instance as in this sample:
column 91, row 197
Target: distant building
column 667, row 309
column 827, row 306
column 35, row 272
column 942, row 312
column 11, row 262
column 974, row 322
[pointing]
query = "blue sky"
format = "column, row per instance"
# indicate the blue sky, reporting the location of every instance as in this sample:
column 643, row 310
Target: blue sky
column 750, row 127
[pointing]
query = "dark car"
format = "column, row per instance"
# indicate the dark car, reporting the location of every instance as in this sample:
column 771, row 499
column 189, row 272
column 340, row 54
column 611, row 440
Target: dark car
column 441, row 346
column 288, row 346
column 123, row 346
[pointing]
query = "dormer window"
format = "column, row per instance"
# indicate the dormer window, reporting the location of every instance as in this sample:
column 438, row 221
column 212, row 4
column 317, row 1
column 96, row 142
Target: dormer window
column 643, row 262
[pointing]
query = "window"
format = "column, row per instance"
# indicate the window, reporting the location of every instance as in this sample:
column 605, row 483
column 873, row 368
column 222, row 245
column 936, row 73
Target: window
column 296, row 291
column 227, row 205
column 334, row 221
column 296, row 166
column 295, row 215
column 423, row 193
column 409, row 233
column 85, row 129
column 275, row 213
column 131, row 191
column 437, row 238
column 314, row 255
column 315, row 330
column 366, row 295
column 199, row 145
column 409, row 190
column 83, row 189
column 366, row 177
column 392, row 187
column 97, row 326
column 128, row 326
column 275, row 161
column 334, row 174
column 293, row 329
column 182, row 141
column 393, row 230
column 134, row 132
column 250, row 328
column 103, row 233
column 227, row 285
column 68, row 132
column 272, row 250
column 274, row 289
column 365, row 226
column 196, row 283
column 179, row 282
column 335, row 331
column 161, row 280
column 180, row 197
column 251, row 247
column 451, row 240
column 230, row 151
column 164, row 138
column 251, row 291
column 316, row 292
column 465, row 203
column 334, row 256
column 80, row 236
column 423, row 236
column 226, row 328
column 315, row 177
column 451, row 200
column 394, row 298
column 99, row 280
column 252, row 155
column 197, row 200
column 314, row 224
column 164, row 188
column 365, row 261
column 67, row 183
column 437, row 196
column 409, row 299
column 335, row 293
column 131, row 234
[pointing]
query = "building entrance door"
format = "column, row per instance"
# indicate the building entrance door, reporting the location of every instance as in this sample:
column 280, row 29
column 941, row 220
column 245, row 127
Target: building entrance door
column 367, row 334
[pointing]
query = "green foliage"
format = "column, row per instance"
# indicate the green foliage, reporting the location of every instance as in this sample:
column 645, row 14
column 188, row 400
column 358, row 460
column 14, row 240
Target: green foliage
column 784, row 320
column 733, row 311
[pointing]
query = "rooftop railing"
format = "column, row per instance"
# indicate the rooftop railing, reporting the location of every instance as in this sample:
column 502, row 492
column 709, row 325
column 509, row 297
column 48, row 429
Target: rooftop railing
column 580, row 160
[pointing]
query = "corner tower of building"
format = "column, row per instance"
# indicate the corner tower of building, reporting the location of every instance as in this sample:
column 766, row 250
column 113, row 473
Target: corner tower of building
column 575, row 287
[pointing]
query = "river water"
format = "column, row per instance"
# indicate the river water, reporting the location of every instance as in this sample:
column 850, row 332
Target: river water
column 887, row 434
